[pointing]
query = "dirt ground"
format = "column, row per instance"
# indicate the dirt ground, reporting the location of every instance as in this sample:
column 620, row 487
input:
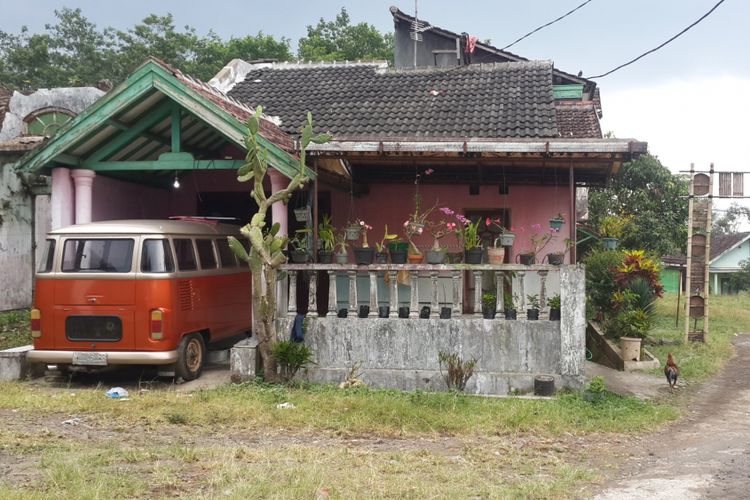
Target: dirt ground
column 704, row 455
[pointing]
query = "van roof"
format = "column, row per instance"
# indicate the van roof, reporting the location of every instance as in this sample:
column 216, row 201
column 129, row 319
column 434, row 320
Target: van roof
column 146, row 226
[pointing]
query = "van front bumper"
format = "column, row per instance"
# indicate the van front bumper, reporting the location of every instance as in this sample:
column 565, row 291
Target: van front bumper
column 113, row 357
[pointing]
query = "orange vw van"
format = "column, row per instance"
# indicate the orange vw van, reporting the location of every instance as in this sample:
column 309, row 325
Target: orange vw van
column 144, row 292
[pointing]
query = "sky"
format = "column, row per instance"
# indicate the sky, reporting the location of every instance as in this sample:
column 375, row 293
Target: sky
column 689, row 100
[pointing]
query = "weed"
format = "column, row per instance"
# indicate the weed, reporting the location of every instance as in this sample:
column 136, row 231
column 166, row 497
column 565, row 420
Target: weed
column 177, row 418
column 458, row 371
column 291, row 356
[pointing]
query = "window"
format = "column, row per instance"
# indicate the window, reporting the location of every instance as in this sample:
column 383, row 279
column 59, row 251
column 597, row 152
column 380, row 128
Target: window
column 226, row 255
column 98, row 255
column 185, row 255
column 206, row 253
column 46, row 122
column 45, row 266
column 156, row 257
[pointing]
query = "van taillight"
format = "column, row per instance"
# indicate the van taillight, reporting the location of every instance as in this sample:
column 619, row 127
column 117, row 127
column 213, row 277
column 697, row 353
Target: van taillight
column 157, row 324
column 36, row 323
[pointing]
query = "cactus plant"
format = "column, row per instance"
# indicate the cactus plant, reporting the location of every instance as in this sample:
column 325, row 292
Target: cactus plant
column 266, row 252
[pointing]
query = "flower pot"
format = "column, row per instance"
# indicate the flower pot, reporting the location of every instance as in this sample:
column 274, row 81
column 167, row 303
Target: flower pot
column 532, row 314
column 384, row 311
column 301, row 214
column 343, row 313
column 435, row 257
column 488, row 313
column 510, row 314
column 398, row 256
column 325, row 257
column 455, row 257
column 507, row 239
column 445, row 313
column 381, row 258
column 424, row 313
column 352, row 232
column 556, row 224
column 630, row 348
column 496, row 255
column 364, row 311
column 527, row 259
column 415, row 258
column 403, row 312
column 556, row 259
column 473, row 256
column 610, row 243
column 342, row 258
column 298, row 256
column 363, row 255
column 554, row 314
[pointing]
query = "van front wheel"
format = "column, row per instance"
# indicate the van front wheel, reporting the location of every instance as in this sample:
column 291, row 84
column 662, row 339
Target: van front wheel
column 191, row 355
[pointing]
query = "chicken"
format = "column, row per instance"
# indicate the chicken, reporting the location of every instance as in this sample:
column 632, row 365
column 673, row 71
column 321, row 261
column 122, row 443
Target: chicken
column 672, row 371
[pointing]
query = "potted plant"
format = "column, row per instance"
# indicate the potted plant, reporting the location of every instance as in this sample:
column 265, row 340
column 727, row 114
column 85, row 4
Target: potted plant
column 398, row 249
column 438, row 230
column 352, row 230
column 509, row 306
column 632, row 325
column 537, row 241
column 302, row 214
column 554, row 308
column 489, row 305
column 496, row 254
column 342, row 256
column 468, row 233
column 381, row 249
column 556, row 222
column 507, row 237
column 611, row 229
column 326, row 240
column 416, row 222
column 558, row 258
column 532, row 312
column 363, row 255
column 299, row 246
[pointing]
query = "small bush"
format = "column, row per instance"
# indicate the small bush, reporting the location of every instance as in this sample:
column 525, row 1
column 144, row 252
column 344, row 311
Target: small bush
column 601, row 266
column 291, row 356
column 176, row 418
column 458, row 371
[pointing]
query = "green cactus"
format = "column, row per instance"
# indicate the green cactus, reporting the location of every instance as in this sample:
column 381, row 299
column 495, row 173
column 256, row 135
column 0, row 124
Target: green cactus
column 266, row 245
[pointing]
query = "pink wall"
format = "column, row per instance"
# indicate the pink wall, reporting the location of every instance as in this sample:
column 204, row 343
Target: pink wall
column 391, row 204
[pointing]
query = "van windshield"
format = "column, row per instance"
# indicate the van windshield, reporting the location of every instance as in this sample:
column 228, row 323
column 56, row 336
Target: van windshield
column 97, row 255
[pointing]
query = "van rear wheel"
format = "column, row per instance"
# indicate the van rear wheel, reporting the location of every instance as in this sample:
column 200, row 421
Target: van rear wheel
column 191, row 356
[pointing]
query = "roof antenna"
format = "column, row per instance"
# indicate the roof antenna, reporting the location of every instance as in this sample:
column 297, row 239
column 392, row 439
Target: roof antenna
column 416, row 32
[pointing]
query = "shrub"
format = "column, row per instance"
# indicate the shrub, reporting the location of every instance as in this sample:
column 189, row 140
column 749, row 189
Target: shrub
column 601, row 266
column 458, row 371
column 291, row 356
column 554, row 301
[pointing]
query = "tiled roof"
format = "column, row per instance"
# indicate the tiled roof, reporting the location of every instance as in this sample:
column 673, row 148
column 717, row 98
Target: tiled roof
column 720, row 243
column 577, row 119
column 495, row 100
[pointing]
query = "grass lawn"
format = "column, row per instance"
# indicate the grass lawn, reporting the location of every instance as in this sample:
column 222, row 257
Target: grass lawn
column 14, row 329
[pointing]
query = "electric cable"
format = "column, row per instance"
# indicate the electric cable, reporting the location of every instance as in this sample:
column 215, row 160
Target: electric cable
column 660, row 46
column 545, row 25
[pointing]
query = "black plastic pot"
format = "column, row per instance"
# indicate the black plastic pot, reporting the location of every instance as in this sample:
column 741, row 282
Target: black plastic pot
column 510, row 314
column 445, row 313
column 556, row 259
column 343, row 312
column 298, row 256
column 384, row 311
column 488, row 313
column 554, row 314
column 403, row 312
column 527, row 259
column 325, row 257
column 381, row 258
column 363, row 256
column 532, row 314
column 398, row 256
column 424, row 313
column 473, row 256
column 364, row 311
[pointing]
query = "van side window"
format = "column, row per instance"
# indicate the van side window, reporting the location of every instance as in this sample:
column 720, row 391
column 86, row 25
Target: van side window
column 206, row 254
column 156, row 257
column 185, row 255
column 45, row 266
column 98, row 255
column 226, row 256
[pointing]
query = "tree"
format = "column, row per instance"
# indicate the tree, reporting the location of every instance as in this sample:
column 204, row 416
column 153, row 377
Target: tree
column 728, row 221
column 339, row 40
column 266, row 245
column 741, row 280
column 654, row 197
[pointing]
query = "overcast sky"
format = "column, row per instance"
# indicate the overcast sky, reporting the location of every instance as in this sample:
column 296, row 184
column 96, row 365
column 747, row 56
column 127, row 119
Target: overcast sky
column 689, row 100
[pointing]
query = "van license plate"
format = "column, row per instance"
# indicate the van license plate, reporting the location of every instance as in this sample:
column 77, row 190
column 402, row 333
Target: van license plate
column 90, row 358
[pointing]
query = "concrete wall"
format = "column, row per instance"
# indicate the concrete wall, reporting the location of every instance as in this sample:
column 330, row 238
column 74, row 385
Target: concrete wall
column 730, row 261
column 15, row 241
column 403, row 353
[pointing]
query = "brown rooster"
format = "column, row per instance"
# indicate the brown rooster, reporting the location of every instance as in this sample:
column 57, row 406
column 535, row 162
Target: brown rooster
column 672, row 371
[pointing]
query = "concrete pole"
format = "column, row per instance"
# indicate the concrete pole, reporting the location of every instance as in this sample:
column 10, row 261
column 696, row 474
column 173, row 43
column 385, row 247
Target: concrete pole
column 84, row 181
column 61, row 198
column 279, row 210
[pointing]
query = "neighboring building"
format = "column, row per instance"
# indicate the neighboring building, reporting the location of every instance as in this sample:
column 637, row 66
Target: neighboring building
column 26, row 121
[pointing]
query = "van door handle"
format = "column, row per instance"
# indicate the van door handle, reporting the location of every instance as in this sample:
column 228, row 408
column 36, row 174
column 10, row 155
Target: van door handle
column 92, row 299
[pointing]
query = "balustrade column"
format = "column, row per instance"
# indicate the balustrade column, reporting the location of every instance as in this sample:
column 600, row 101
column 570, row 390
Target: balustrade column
column 373, row 295
column 414, row 304
column 477, row 293
column 543, row 314
column 312, row 302
column 499, row 292
column 353, row 292
column 457, row 283
column 522, row 292
column 393, row 293
column 434, row 305
column 332, row 295
column 292, row 302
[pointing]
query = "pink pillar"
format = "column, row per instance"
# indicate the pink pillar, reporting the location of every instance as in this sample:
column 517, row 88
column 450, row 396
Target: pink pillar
column 83, row 180
column 61, row 199
column 279, row 210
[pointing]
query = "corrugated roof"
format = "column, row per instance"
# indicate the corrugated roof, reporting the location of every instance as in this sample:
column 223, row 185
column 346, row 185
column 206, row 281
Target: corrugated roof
column 492, row 101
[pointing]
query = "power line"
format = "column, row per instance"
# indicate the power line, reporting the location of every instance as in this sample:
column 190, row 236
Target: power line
column 548, row 24
column 660, row 46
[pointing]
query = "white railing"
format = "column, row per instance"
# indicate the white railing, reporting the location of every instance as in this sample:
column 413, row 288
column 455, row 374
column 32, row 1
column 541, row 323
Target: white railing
column 425, row 283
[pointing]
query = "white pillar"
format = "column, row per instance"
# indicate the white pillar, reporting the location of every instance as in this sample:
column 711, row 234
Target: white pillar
column 279, row 210
column 83, row 180
column 61, row 198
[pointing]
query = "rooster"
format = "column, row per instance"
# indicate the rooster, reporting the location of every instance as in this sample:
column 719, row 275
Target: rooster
column 671, row 370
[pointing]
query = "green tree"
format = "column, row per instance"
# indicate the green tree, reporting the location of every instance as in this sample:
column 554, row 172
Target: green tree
column 339, row 40
column 741, row 280
column 728, row 221
column 655, row 198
